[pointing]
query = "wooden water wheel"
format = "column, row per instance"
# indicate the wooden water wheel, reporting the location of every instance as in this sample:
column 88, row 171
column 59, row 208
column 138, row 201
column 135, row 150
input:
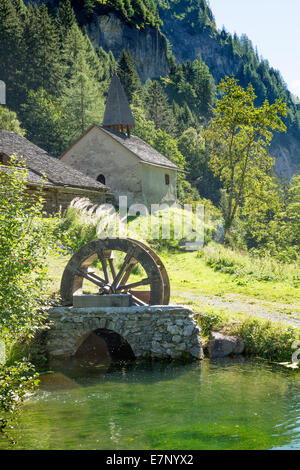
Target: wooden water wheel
column 117, row 266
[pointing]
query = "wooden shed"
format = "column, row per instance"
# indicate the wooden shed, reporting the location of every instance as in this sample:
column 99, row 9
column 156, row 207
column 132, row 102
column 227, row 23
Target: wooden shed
column 60, row 183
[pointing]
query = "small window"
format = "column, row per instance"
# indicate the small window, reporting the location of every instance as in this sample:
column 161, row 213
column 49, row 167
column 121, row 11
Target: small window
column 4, row 159
column 101, row 179
column 167, row 179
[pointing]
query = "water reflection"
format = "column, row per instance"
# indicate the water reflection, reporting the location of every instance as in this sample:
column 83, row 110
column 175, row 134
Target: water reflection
column 229, row 404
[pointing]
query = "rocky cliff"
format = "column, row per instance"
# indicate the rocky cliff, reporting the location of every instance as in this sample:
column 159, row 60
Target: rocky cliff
column 189, row 42
column 147, row 46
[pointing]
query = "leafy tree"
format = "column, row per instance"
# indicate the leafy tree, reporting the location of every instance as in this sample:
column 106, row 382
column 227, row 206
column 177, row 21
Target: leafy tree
column 9, row 121
column 238, row 137
column 16, row 381
column 25, row 242
column 192, row 145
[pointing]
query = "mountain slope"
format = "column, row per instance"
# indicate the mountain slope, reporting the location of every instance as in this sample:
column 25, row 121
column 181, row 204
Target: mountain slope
column 190, row 27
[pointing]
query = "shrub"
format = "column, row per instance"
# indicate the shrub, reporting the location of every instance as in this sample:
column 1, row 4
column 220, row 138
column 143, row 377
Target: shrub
column 208, row 322
column 268, row 341
column 16, row 382
column 249, row 265
column 25, row 240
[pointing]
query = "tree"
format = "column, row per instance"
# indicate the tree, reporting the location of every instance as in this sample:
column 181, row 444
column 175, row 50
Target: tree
column 44, row 119
column 203, row 84
column 83, row 99
column 82, row 96
column 10, row 49
column 9, row 121
column 157, row 107
column 238, row 138
column 128, row 75
column 192, row 146
column 65, row 17
column 42, row 65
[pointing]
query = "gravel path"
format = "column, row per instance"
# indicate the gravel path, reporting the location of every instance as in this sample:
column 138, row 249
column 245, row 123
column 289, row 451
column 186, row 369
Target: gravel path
column 267, row 310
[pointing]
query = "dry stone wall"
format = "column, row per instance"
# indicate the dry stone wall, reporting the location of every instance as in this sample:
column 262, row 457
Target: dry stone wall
column 154, row 331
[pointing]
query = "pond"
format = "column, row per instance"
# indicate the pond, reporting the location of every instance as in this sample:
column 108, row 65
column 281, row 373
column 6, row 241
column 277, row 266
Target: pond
column 229, row 404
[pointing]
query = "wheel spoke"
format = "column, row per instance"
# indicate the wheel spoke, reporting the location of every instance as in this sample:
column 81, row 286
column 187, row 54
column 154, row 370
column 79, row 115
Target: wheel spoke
column 137, row 301
column 112, row 268
column 126, row 262
column 92, row 273
column 87, row 276
column 144, row 282
column 104, row 266
column 128, row 271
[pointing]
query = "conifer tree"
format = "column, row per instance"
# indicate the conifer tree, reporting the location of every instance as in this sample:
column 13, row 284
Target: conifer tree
column 203, row 85
column 157, row 107
column 10, row 50
column 128, row 75
column 83, row 98
column 42, row 66
column 65, row 17
column 45, row 121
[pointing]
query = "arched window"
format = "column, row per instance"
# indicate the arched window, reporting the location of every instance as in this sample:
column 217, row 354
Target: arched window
column 167, row 179
column 4, row 159
column 101, row 179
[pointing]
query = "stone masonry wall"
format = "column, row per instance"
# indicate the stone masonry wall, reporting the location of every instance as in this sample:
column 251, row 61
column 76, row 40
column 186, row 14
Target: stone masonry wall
column 154, row 331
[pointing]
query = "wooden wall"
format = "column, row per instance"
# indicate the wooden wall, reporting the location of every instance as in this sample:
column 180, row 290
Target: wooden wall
column 57, row 199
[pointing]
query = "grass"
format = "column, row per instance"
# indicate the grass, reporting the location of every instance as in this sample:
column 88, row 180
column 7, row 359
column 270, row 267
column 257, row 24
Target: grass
column 190, row 273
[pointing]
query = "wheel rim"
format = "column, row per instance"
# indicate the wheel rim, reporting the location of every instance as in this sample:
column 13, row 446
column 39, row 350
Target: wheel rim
column 115, row 280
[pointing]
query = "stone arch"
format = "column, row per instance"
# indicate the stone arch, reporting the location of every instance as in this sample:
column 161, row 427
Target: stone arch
column 104, row 345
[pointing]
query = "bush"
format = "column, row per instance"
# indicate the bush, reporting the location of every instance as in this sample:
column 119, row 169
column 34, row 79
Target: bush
column 208, row 323
column 16, row 382
column 25, row 241
column 252, row 266
column 76, row 229
column 267, row 341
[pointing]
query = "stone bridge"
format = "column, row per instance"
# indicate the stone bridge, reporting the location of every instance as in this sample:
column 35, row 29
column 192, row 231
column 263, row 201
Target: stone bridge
column 161, row 332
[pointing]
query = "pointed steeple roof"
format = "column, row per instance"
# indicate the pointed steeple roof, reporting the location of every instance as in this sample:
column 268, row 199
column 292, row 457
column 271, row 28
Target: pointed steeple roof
column 117, row 112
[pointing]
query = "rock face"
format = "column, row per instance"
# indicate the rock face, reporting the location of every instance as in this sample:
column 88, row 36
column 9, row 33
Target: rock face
column 161, row 332
column 188, row 43
column 286, row 151
column 148, row 46
column 222, row 346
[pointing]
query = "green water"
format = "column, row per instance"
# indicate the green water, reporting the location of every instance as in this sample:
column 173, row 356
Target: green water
column 222, row 405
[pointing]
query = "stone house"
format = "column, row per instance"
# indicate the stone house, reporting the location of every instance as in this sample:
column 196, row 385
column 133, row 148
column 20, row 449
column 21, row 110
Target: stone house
column 127, row 164
column 60, row 183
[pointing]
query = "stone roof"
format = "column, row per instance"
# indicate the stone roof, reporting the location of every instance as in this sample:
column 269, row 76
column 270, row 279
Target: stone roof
column 41, row 165
column 144, row 151
column 135, row 145
column 117, row 111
